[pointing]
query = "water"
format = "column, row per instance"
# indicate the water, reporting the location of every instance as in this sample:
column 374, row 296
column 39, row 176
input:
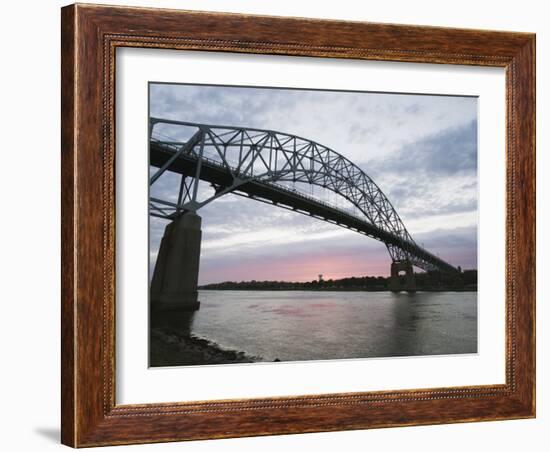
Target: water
column 306, row 325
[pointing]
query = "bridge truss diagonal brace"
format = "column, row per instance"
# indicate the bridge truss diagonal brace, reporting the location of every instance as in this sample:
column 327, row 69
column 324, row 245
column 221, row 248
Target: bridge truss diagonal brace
column 237, row 155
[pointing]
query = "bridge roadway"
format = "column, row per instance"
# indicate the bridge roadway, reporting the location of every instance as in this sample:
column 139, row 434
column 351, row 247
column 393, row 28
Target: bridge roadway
column 281, row 196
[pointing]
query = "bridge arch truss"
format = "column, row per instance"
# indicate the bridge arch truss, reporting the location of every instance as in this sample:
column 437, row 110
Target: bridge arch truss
column 244, row 155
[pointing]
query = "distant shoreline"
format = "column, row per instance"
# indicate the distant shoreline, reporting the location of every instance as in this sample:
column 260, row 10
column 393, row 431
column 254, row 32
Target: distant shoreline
column 463, row 281
column 335, row 289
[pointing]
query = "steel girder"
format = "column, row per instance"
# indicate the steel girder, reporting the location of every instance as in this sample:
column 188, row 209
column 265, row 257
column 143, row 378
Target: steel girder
column 247, row 154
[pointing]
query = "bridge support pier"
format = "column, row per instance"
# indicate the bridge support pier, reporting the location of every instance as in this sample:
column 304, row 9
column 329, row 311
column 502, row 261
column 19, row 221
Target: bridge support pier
column 176, row 274
column 395, row 280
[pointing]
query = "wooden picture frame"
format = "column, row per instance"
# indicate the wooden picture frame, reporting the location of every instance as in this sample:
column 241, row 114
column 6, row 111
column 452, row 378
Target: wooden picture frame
column 90, row 36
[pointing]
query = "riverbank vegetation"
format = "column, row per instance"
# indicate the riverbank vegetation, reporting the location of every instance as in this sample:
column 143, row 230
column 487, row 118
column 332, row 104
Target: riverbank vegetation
column 431, row 281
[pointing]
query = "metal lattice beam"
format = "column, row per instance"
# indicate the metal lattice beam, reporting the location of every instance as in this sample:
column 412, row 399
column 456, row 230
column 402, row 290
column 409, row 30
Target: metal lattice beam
column 242, row 156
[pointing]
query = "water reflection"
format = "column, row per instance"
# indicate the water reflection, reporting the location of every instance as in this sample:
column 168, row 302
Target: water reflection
column 401, row 335
column 305, row 325
column 179, row 320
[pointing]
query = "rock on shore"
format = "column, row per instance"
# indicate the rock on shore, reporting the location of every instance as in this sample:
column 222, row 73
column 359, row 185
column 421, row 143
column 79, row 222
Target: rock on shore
column 170, row 348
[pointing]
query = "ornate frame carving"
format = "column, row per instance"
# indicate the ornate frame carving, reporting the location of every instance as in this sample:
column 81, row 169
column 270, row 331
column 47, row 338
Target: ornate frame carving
column 90, row 36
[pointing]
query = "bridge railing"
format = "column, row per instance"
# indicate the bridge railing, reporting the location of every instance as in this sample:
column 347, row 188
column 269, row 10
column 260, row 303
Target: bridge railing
column 411, row 247
column 276, row 185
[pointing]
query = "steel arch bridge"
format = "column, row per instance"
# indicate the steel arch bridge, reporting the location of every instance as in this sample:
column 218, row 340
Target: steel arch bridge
column 254, row 162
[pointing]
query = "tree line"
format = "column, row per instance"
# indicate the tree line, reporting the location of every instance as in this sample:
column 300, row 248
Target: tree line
column 465, row 280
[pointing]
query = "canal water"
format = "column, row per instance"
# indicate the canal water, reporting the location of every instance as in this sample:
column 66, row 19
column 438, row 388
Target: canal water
column 308, row 325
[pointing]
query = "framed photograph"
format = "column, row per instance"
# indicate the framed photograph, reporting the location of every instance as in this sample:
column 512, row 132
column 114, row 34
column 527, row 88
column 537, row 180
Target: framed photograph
column 281, row 225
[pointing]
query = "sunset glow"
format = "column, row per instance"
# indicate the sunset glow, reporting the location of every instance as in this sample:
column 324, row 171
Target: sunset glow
column 420, row 150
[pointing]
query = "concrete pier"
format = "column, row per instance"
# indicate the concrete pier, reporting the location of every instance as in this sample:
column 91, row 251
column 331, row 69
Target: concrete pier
column 396, row 285
column 176, row 274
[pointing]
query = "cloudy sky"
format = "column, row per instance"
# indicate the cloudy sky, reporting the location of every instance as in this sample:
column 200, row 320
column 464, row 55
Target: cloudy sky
column 420, row 150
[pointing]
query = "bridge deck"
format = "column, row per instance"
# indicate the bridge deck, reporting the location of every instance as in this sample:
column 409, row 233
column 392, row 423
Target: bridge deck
column 281, row 196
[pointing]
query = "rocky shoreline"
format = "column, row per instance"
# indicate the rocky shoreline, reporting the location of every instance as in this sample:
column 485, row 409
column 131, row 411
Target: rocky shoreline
column 171, row 348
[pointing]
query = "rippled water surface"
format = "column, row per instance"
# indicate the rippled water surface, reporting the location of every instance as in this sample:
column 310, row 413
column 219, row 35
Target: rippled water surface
column 305, row 325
